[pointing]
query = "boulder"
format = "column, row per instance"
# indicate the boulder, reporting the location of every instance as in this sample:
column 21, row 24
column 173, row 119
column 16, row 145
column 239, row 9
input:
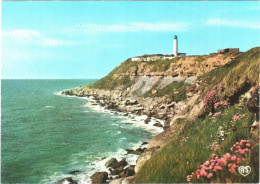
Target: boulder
column 144, row 143
column 129, row 171
column 126, row 180
column 122, row 163
column 116, row 171
column 158, row 124
column 74, row 172
column 99, row 177
column 67, row 180
column 146, row 121
column 111, row 162
column 144, row 157
column 134, row 152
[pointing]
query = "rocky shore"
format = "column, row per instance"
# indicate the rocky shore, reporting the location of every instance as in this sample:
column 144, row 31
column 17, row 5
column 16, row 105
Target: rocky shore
column 119, row 171
column 159, row 111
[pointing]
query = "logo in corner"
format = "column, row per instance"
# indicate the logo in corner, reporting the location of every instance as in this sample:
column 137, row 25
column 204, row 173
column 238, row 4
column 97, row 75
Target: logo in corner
column 244, row 170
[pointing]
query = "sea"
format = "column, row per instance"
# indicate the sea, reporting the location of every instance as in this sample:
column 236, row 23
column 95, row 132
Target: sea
column 45, row 135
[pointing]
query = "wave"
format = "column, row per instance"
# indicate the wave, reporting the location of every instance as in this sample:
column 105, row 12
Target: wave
column 49, row 106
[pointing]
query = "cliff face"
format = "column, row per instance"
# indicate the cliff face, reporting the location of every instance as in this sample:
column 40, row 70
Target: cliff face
column 184, row 92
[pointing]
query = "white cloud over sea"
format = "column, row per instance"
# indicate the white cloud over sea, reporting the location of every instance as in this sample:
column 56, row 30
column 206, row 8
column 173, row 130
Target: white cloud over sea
column 31, row 37
column 233, row 23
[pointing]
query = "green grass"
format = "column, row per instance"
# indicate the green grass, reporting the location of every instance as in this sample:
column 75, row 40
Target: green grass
column 169, row 165
column 114, row 79
column 161, row 65
column 175, row 91
column 243, row 70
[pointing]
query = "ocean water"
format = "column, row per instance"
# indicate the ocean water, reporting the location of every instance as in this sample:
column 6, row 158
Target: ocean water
column 44, row 135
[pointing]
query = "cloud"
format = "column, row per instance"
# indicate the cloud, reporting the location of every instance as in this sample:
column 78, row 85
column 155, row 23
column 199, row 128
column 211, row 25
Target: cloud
column 136, row 27
column 233, row 23
column 56, row 42
column 27, row 37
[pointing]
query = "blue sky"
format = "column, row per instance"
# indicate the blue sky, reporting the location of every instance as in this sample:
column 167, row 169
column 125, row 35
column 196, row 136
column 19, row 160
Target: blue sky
column 87, row 39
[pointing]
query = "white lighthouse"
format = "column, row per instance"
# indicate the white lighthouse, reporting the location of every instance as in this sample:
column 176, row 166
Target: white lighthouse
column 175, row 46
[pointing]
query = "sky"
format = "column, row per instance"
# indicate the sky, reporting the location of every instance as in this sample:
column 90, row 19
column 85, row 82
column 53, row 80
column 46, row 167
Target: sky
column 86, row 39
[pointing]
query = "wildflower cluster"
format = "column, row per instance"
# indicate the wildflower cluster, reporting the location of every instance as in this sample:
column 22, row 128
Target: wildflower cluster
column 220, row 87
column 236, row 117
column 229, row 161
column 221, row 105
column 184, row 139
column 214, row 146
column 209, row 100
column 222, row 134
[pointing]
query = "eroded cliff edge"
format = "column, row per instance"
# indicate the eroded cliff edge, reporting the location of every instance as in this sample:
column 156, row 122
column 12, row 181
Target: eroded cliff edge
column 184, row 92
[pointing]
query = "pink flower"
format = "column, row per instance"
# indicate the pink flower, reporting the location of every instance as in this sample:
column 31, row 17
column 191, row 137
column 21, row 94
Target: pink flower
column 238, row 160
column 231, row 170
column 209, row 175
column 248, row 145
column 242, row 152
column 231, row 149
column 246, row 149
column 198, row 176
column 216, row 168
column 203, row 172
column 207, row 163
column 227, row 156
column 222, row 161
column 233, row 158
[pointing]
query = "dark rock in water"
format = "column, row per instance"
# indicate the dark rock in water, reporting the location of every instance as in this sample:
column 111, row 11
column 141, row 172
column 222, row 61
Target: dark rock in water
column 141, row 150
column 111, row 162
column 68, row 179
column 74, row 172
column 157, row 124
column 116, row 171
column 144, row 143
column 134, row 152
column 129, row 171
column 122, row 163
column 99, row 177
column 147, row 120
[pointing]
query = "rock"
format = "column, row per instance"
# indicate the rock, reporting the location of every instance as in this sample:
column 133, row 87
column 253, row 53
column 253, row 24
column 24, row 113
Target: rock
column 74, row 172
column 147, row 120
column 67, row 180
column 122, row 163
column 129, row 171
column 126, row 180
column 154, row 91
column 116, row 171
column 141, row 150
column 144, row 143
column 138, row 109
column 158, row 124
column 144, row 157
column 99, row 177
column 111, row 162
column 134, row 152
